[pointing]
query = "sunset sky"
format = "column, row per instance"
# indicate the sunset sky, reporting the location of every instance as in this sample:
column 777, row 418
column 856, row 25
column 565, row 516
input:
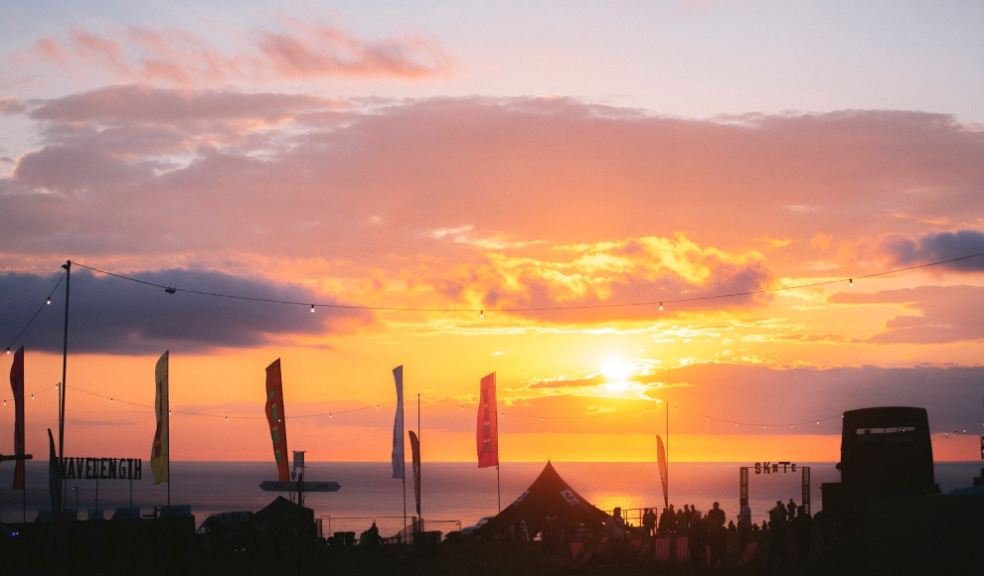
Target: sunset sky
column 578, row 161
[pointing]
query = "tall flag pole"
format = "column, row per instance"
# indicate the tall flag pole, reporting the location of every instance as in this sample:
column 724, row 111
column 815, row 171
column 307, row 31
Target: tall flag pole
column 160, row 451
column 397, row 455
column 64, row 381
column 417, row 466
column 17, row 386
column 277, row 419
column 487, row 432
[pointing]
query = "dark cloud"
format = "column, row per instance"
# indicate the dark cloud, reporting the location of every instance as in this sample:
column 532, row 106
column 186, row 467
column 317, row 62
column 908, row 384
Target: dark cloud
column 109, row 315
column 941, row 246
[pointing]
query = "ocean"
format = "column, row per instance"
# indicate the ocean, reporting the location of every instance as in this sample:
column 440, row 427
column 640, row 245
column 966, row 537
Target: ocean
column 454, row 494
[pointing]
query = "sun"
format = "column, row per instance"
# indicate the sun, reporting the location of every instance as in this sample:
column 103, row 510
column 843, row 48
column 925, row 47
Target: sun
column 616, row 371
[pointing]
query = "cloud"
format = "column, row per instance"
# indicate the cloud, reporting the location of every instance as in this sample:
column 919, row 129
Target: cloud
column 941, row 246
column 614, row 273
column 11, row 106
column 132, row 104
column 114, row 316
column 293, row 50
column 506, row 183
column 946, row 313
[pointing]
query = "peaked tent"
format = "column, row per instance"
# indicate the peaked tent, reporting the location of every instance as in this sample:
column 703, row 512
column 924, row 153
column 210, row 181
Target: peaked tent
column 548, row 495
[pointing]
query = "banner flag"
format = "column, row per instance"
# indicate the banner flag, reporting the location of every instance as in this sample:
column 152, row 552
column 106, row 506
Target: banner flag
column 54, row 475
column 277, row 419
column 160, row 451
column 398, row 451
column 415, row 451
column 661, row 454
column 487, row 433
column 17, row 385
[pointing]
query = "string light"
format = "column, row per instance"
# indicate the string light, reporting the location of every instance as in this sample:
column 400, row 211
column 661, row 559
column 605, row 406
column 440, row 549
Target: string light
column 481, row 315
column 660, row 306
column 850, row 282
column 537, row 308
column 312, row 308
column 48, row 301
column 8, row 350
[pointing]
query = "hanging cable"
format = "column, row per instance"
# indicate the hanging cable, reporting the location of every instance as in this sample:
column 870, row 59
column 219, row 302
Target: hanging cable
column 481, row 311
column 44, row 304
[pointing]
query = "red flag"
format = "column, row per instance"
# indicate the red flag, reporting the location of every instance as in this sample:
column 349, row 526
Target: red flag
column 663, row 470
column 17, row 385
column 415, row 450
column 488, row 425
column 277, row 419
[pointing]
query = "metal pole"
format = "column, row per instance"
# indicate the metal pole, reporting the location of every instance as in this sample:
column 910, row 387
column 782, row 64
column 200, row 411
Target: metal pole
column 498, row 483
column 498, row 488
column 667, row 450
column 167, row 414
column 419, row 479
column 64, row 383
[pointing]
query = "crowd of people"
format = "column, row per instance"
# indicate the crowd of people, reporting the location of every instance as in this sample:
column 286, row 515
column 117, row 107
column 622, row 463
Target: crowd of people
column 783, row 539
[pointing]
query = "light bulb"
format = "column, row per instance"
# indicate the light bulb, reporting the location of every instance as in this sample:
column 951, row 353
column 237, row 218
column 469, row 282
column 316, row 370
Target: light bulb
column 850, row 281
column 48, row 301
column 481, row 315
column 660, row 306
column 312, row 308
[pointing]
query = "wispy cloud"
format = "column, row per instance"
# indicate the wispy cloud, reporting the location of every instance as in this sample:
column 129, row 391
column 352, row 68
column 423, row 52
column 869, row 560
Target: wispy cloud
column 289, row 50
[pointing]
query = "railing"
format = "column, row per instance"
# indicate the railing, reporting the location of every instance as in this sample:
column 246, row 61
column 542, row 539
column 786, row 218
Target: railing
column 407, row 530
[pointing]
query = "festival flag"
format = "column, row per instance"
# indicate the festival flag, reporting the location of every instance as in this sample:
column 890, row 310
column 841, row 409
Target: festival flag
column 415, row 451
column 277, row 419
column 17, row 385
column 160, row 451
column 488, row 427
column 54, row 475
column 661, row 455
column 398, row 451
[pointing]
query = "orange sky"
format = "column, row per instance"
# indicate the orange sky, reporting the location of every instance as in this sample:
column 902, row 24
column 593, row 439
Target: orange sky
column 365, row 171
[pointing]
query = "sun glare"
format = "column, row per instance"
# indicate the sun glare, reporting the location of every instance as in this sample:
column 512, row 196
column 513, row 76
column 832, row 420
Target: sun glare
column 616, row 370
